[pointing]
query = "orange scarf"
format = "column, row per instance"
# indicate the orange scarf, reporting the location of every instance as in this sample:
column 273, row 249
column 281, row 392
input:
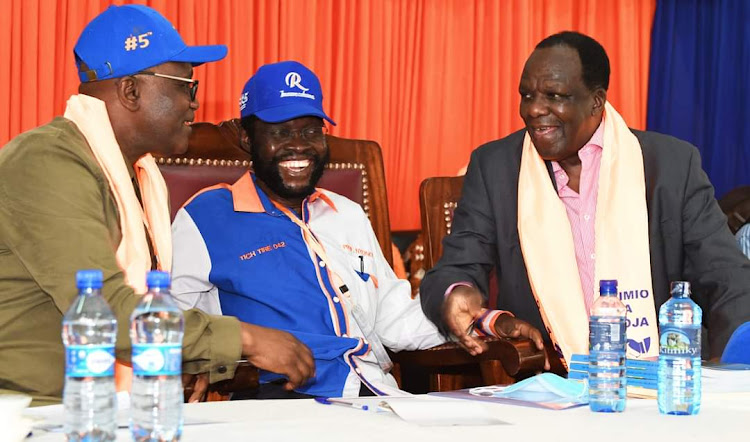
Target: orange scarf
column 136, row 221
column 621, row 236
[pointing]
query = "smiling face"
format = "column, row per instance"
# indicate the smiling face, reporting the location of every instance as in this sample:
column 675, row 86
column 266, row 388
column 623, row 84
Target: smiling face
column 289, row 158
column 561, row 114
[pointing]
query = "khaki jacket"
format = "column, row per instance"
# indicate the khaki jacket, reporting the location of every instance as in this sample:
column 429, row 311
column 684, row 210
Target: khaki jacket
column 57, row 216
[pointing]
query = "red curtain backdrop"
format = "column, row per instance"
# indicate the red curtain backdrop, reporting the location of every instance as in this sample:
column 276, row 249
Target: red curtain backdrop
column 430, row 80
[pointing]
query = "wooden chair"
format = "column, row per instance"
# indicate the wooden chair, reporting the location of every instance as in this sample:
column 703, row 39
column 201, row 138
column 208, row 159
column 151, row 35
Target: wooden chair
column 736, row 206
column 438, row 199
column 215, row 155
column 246, row 377
column 448, row 367
column 355, row 170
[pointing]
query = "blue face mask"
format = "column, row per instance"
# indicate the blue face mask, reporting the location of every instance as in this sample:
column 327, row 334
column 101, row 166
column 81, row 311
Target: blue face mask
column 542, row 388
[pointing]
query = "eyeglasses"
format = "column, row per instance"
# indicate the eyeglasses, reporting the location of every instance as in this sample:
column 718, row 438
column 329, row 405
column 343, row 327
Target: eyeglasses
column 192, row 89
column 312, row 133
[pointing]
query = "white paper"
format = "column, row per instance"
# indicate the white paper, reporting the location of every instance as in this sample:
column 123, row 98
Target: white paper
column 50, row 418
column 723, row 380
column 442, row 412
column 14, row 427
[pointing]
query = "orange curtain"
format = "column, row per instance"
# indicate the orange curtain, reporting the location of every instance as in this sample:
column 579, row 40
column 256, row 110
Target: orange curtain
column 429, row 80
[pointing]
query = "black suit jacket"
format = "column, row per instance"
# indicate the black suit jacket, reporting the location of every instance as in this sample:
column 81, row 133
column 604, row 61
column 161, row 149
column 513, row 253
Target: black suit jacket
column 688, row 235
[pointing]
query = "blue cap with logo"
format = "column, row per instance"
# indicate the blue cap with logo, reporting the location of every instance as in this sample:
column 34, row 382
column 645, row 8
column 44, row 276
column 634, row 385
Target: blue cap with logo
column 283, row 91
column 124, row 40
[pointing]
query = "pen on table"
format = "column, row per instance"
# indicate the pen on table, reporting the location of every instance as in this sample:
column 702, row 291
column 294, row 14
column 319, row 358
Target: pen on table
column 326, row 401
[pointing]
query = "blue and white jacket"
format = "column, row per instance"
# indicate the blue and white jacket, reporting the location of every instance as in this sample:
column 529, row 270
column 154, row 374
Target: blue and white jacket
column 236, row 253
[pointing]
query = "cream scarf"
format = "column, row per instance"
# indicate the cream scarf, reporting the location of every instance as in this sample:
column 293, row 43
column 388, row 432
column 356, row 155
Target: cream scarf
column 622, row 243
column 136, row 221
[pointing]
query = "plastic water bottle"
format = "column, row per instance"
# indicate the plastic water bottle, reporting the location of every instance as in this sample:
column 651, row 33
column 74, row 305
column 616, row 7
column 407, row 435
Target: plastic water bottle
column 679, row 386
column 607, row 382
column 89, row 331
column 156, row 329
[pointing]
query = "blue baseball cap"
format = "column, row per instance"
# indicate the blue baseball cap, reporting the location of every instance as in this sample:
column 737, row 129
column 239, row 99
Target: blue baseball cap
column 283, row 91
column 124, row 40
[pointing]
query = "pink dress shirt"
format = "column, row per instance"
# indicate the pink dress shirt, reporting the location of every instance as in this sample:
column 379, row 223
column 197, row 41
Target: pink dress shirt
column 581, row 209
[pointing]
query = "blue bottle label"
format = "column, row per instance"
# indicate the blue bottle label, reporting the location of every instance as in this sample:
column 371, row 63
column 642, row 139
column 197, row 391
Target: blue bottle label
column 679, row 341
column 89, row 361
column 607, row 336
column 157, row 359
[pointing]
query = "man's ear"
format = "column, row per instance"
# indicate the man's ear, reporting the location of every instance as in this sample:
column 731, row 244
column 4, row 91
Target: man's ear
column 244, row 140
column 128, row 93
column 600, row 97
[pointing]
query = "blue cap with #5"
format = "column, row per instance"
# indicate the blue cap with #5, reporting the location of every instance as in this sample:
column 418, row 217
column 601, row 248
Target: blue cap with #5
column 124, row 40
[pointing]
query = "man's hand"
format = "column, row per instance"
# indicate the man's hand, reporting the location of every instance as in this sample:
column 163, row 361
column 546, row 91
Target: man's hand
column 508, row 326
column 278, row 352
column 199, row 385
column 460, row 309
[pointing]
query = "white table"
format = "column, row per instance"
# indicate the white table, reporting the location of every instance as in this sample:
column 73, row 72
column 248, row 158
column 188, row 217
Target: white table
column 722, row 418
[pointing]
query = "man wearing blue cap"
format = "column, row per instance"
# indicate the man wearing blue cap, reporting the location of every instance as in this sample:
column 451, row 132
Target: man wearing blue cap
column 273, row 250
column 79, row 192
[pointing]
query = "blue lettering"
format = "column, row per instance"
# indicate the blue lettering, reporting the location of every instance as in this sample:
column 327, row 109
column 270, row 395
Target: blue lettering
column 692, row 351
column 633, row 294
column 638, row 322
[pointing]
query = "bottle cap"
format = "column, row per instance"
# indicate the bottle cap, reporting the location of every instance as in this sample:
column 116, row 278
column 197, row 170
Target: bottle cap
column 680, row 288
column 608, row 286
column 89, row 279
column 157, row 279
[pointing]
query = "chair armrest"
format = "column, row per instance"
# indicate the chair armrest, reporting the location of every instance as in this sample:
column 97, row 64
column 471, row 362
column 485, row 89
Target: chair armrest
column 515, row 355
column 246, row 377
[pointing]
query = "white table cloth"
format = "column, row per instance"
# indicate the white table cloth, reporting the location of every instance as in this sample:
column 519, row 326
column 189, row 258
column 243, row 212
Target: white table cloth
column 722, row 418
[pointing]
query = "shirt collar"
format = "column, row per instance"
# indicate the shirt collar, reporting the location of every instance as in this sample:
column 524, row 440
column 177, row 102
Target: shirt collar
column 319, row 195
column 595, row 142
column 247, row 197
column 598, row 138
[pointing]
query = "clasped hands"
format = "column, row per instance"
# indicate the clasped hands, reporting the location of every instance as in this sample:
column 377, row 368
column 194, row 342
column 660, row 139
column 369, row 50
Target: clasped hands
column 464, row 305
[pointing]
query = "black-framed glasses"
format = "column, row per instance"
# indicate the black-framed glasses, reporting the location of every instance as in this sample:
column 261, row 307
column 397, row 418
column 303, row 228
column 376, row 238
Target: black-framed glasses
column 192, row 89
column 312, row 133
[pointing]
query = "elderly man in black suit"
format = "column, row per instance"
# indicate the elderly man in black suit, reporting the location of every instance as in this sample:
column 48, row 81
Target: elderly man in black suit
column 639, row 208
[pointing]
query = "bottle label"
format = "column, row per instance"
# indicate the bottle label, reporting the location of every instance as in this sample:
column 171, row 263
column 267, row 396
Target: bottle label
column 157, row 359
column 607, row 336
column 89, row 361
column 680, row 341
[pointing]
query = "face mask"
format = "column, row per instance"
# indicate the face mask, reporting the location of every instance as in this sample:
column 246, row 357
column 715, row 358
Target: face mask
column 542, row 388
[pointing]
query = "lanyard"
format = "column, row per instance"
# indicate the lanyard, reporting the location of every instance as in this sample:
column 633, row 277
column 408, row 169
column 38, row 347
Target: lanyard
column 363, row 321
